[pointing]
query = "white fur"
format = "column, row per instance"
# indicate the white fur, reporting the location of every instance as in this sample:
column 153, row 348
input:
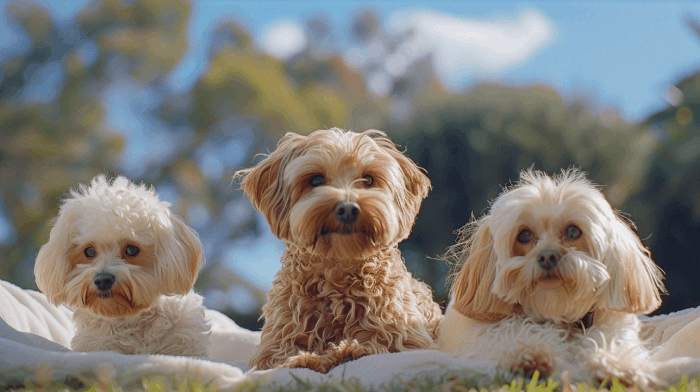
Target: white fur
column 500, row 309
column 174, row 325
column 606, row 350
column 151, row 308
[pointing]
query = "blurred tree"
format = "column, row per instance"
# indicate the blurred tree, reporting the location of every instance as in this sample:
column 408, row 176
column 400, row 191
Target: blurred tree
column 669, row 199
column 51, row 131
column 58, row 134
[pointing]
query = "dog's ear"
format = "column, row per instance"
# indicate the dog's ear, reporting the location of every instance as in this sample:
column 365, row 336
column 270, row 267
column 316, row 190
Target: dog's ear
column 179, row 256
column 52, row 263
column 416, row 182
column 471, row 290
column 264, row 183
column 635, row 281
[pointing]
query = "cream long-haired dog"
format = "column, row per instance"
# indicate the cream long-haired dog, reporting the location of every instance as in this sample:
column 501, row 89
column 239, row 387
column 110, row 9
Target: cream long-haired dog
column 341, row 201
column 552, row 279
column 126, row 266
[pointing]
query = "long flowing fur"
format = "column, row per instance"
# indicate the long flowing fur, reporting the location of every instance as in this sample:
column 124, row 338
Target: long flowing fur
column 506, row 305
column 343, row 290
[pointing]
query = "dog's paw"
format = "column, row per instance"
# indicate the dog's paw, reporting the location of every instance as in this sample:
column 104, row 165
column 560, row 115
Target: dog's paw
column 334, row 355
column 530, row 359
column 308, row 360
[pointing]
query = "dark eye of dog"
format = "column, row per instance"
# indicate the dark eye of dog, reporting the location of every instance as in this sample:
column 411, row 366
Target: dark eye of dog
column 368, row 180
column 317, row 180
column 132, row 250
column 89, row 252
column 573, row 232
column 525, row 236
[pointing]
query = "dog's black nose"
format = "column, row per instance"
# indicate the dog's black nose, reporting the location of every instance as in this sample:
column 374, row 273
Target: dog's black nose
column 347, row 212
column 548, row 259
column 103, row 281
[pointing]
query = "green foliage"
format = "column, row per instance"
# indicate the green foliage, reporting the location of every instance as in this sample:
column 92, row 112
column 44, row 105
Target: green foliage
column 54, row 140
column 668, row 201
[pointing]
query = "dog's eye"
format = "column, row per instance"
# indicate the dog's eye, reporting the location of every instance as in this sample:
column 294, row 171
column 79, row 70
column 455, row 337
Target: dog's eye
column 132, row 250
column 573, row 232
column 89, row 252
column 525, row 236
column 317, row 180
column 368, row 180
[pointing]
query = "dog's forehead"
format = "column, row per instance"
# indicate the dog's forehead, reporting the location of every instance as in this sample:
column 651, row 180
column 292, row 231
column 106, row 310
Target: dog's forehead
column 544, row 214
column 343, row 146
column 563, row 204
column 93, row 219
column 348, row 153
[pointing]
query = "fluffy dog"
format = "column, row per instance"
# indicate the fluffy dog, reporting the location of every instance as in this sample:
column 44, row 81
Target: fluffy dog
column 126, row 265
column 552, row 279
column 342, row 201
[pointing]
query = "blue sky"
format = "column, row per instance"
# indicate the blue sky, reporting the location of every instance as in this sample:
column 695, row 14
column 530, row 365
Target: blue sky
column 621, row 55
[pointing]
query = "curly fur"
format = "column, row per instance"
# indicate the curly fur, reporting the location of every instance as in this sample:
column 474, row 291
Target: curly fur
column 343, row 290
column 155, row 284
column 514, row 302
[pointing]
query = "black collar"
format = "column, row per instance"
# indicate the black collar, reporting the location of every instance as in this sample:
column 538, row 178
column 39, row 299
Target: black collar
column 587, row 321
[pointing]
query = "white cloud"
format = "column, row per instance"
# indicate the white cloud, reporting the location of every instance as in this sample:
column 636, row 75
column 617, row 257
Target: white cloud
column 283, row 39
column 465, row 46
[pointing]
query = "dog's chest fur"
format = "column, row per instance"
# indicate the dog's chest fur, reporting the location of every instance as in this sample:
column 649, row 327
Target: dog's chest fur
column 341, row 304
column 341, row 299
column 174, row 325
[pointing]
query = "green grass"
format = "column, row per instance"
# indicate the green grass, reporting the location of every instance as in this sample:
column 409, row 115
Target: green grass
column 447, row 382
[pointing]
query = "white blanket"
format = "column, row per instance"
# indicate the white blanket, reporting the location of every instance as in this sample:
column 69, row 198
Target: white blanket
column 35, row 336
